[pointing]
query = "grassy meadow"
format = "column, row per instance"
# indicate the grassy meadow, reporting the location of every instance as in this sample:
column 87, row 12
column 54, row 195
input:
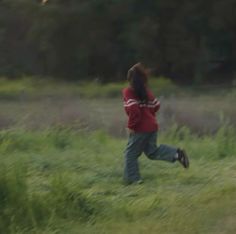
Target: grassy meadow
column 61, row 151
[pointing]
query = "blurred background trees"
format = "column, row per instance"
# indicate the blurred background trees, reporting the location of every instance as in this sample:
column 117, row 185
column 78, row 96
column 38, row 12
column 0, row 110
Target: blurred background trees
column 188, row 41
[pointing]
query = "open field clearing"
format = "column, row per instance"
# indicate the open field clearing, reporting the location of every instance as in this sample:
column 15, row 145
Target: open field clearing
column 70, row 73
column 201, row 115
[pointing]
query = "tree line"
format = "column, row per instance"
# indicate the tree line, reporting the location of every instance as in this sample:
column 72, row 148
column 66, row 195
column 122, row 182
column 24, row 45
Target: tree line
column 187, row 40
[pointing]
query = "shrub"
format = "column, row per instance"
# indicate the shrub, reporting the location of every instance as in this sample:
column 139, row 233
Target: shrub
column 163, row 86
column 94, row 90
column 29, row 86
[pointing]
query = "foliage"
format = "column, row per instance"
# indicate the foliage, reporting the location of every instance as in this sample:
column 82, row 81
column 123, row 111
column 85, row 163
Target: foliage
column 39, row 87
column 163, row 86
column 76, row 38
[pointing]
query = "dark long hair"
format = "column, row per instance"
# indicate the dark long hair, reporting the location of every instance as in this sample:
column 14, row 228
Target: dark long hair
column 138, row 82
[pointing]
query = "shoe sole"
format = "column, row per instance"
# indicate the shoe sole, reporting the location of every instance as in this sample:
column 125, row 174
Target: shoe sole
column 186, row 160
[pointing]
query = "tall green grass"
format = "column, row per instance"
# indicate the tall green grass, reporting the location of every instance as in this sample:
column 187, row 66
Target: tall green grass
column 65, row 181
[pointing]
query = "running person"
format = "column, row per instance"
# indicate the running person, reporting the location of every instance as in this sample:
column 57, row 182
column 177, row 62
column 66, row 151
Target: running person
column 141, row 106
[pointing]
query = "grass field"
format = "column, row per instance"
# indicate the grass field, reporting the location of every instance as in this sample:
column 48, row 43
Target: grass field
column 65, row 181
column 62, row 165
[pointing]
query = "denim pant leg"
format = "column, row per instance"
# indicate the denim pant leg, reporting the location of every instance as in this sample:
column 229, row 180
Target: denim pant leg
column 134, row 149
column 162, row 152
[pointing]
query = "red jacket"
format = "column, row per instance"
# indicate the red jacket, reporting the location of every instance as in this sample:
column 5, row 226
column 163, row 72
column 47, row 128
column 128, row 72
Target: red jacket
column 141, row 116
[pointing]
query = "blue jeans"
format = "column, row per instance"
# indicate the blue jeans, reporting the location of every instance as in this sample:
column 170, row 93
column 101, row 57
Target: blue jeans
column 146, row 143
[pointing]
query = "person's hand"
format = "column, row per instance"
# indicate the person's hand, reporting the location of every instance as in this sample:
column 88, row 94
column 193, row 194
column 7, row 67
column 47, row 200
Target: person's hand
column 130, row 131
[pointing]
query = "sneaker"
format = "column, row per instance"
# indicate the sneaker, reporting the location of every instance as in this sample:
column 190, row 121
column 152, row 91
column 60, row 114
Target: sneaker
column 183, row 158
column 137, row 182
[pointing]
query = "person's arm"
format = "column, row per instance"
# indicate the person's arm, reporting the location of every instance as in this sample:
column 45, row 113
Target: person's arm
column 132, row 109
column 154, row 104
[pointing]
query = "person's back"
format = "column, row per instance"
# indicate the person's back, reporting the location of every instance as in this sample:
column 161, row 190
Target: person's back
column 142, row 115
